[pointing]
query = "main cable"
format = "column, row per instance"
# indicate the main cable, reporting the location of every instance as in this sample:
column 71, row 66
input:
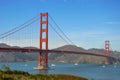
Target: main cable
column 58, row 33
column 13, row 30
column 20, row 28
column 61, row 30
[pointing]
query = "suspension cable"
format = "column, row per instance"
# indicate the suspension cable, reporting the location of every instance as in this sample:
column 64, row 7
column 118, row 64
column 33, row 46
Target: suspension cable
column 13, row 30
column 61, row 30
column 16, row 30
column 58, row 33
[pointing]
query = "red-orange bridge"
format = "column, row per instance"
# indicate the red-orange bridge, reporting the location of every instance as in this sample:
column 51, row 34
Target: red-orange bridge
column 43, row 53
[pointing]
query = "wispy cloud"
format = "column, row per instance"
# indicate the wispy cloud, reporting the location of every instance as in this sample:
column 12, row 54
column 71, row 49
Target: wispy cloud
column 114, row 37
column 89, row 34
column 94, row 33
column 112, row 22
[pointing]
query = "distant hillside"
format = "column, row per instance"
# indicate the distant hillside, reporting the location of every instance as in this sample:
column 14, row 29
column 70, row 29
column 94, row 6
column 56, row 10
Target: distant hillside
column 74, row 57
column 17, row 56
column 4, row 45
column 57, row 57
column 115, row 54
column 71, row 48
column 79, row 57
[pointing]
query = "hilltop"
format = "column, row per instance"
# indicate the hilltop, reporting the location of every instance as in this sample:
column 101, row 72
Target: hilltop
column 78, row 58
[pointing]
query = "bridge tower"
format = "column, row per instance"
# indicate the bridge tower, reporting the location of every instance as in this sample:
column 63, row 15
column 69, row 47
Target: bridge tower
column 43, row 57
column 107, row 51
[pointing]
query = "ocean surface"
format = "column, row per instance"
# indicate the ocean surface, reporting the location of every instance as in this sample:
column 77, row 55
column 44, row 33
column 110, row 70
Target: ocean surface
column 90, row 71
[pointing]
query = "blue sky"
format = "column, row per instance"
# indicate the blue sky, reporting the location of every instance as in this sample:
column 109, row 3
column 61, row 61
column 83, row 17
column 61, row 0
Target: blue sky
column 88, row 23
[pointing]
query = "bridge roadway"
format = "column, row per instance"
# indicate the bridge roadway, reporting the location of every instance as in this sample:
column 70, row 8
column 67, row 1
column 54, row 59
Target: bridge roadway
column 49, row 51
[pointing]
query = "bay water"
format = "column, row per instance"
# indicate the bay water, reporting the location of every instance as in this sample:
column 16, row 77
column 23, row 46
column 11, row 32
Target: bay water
column 90, row 71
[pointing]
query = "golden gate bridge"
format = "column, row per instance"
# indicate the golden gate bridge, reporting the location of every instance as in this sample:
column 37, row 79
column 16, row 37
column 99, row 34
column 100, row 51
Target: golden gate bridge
column 43, row 49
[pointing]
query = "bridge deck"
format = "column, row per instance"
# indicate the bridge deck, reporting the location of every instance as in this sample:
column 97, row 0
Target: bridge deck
column 49, row 51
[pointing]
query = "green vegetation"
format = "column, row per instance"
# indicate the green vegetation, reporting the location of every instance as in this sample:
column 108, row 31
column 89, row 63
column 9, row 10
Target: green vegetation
column 7, row 74
column 21, row 75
